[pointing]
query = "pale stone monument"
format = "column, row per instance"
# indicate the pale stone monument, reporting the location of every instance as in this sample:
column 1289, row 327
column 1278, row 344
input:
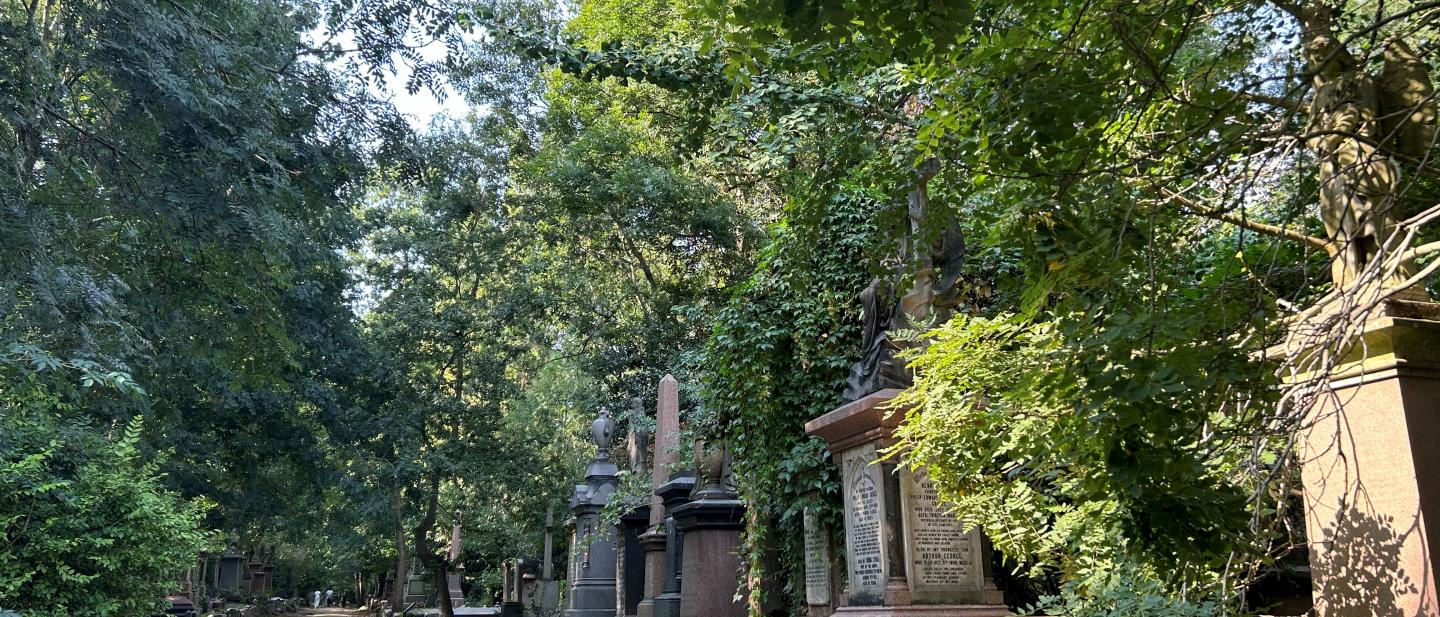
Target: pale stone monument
column 547, row 589
column 819, row 599
column 663, row 462
column 1370, row 452
column 592, row 585
column 905, row 554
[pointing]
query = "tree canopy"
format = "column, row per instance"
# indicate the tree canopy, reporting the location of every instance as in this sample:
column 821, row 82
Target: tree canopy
column 240, row 289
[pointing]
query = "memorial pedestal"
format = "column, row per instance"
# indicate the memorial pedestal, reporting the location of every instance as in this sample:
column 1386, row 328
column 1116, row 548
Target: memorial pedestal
column 711, row 560
column 1371, row 469
column 905, row 555
column 592, row 587
column 673, row 494
column 630, row 564
column 654, row 543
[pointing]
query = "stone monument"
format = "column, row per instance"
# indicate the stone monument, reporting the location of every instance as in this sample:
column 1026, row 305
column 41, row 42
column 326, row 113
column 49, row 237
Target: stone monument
column 1370, row 452
column 663, row 463
column 228, row 574
column 547, row 589
column 711, row 524
column 819, row 581
column 905, row 554
column 673, row 494
column 634, row 522
column 592, row 587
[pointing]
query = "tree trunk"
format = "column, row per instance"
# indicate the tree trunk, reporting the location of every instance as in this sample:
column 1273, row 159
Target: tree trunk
column 397, row 592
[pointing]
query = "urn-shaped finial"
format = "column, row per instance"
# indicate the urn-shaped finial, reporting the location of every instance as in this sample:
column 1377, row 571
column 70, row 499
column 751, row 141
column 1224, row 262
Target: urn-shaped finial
column 600, row 431
column 710, row 462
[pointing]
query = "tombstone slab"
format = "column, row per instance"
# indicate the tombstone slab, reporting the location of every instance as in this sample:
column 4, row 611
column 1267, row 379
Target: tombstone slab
column 816, row 543
column 905, row 553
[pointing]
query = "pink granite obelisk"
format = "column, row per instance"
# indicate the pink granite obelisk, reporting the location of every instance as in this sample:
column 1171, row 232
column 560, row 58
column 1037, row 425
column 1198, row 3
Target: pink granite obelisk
column 664, row 459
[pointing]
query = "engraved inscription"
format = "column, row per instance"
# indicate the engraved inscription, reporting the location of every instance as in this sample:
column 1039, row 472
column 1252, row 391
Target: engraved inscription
column 817, row 560
column 864, row 518
column 941, row 554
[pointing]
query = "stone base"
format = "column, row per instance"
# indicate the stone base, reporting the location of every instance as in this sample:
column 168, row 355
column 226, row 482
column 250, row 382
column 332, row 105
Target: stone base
column 922, row 610
column 711, row 574
column 1371, row 469
column 667, row 605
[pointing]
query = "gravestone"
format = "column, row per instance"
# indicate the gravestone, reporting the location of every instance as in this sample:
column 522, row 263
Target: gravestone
column 711, row 524
column 229, row 574
column 592, row 588
column 547, row 589
column 903, row 548
column 817, row 565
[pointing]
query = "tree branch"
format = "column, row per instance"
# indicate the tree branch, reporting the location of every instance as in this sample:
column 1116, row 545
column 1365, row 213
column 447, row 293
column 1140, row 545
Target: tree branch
column 1240, row 221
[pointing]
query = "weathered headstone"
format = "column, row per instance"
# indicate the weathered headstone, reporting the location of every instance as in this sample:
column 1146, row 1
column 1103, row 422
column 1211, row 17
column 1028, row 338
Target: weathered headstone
column 817, row 565
column 711, row 525
column 903, row 547
column 592, row 588
column 663, row 460
column 547, row 589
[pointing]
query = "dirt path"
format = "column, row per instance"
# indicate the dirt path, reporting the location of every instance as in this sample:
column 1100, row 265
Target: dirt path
column 334, row 612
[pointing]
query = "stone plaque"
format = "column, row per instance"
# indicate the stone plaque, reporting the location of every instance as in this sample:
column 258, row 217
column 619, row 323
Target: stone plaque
column 817, row 560
column 943, row 561
column 864, row 520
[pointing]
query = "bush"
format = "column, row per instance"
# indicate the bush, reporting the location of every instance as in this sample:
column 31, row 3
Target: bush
column 86, row 528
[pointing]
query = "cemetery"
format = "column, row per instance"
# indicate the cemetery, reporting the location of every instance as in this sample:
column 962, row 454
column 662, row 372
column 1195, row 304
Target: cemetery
column 719, row 308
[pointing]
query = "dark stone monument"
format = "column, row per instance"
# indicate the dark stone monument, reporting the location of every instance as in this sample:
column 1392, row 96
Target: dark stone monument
column 930, row 298
column 228, row 576
column 711, row 524
column 630, row 560
column 673, row 494
column 512, row 594
column 592, row 588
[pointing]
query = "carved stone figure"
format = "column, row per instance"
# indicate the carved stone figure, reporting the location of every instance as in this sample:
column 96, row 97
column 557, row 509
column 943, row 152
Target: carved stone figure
column 929, row 300
column 1359, row 127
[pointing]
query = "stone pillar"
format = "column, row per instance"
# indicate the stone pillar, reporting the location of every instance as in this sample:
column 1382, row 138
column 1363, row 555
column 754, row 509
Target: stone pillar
column 711, row 525
column 592, row 588
column 630, row 559
column 512, row 590
column 673, row 494
column 1371, row 469
column 547, row 589
column 663, row 460
column 902, row 548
